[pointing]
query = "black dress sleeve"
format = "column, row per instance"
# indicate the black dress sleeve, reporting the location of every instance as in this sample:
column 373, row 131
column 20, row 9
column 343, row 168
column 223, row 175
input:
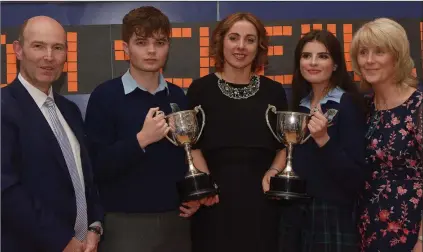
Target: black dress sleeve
column 194, row 99
column 281, row 102
column 193, row 94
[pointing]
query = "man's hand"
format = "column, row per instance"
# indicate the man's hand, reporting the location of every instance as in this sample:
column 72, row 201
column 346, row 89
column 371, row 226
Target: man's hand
column 154, row 128
column 74, row 246
column 91, row 243
column 189, row 208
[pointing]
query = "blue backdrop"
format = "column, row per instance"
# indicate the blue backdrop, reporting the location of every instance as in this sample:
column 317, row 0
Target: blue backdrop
column 94, row 13
column 197, row 14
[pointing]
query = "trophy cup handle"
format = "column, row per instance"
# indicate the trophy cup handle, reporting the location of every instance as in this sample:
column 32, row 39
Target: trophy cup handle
column 306, row 138
column 273, row 108
column 203, row 115
column 172, row 140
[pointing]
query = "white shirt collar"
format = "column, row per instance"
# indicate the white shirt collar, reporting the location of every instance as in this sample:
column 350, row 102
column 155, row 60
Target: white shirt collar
column 130, row 84
column 36, row 94
column 333, row 95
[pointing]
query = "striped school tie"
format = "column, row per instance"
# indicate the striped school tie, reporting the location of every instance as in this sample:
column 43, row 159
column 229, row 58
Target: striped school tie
column 81, row 223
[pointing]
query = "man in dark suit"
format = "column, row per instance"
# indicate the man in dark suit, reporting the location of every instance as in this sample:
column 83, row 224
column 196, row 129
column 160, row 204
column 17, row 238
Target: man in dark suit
column 49, row 201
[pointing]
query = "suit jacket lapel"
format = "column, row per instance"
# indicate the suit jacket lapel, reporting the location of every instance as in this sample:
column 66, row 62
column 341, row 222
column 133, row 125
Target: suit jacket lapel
column 34, row 115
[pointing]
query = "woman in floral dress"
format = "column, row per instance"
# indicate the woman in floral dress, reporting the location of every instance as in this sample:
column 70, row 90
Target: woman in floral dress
column 391, row 203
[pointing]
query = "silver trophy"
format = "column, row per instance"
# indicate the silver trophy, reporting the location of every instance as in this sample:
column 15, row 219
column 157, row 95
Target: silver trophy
column 291, row 129
column 185, row 132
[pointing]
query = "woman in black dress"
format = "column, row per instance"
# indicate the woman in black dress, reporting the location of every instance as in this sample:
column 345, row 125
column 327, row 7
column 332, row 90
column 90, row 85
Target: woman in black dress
column 392, row 203
column 237, row 147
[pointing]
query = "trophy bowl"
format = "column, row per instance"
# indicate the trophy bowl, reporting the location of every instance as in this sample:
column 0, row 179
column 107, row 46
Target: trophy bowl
column 291, row 129
column 184, row 132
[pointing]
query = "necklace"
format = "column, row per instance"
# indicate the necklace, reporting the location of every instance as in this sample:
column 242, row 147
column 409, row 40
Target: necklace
column 380, row 106
column 322, row 96
column 240, row 93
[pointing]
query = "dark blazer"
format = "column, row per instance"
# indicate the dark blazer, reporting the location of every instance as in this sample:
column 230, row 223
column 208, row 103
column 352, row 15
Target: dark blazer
column 38, row 206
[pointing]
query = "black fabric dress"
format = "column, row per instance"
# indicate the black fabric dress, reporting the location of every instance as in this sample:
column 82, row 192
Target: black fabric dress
column 238, row 148
column 391, row 203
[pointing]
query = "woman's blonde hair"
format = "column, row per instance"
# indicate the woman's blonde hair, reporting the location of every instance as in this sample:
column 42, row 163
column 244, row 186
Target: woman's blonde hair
column 391, row 36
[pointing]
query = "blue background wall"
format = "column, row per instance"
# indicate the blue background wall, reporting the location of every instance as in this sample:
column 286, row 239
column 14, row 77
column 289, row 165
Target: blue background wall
column 92, row 13
column 106, row 13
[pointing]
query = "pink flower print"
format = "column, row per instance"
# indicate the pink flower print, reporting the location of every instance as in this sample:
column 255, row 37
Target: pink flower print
column 417, row 186
column 412, row 162
column 394, row 120
column 384, row 215
column 374, row 143
column 390, row 157
column 401, row 191
column 414, row 201
column 408, row 118
column 419, row 137
column 403, row 239
column 367, row 185
column 419, row 193
column 380, row 154
column 403, row 132
column 409, row 125
column 405, row 231
column 393, row 227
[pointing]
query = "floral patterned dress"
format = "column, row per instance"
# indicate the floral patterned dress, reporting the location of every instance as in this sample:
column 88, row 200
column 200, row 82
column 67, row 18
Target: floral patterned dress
column 391, row 203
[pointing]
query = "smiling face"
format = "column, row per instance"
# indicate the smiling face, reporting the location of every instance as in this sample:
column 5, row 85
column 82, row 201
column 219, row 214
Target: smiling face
column 376, row 64
column 380, row 54
column 41, row 51
column 240, row 45
column 316, row 63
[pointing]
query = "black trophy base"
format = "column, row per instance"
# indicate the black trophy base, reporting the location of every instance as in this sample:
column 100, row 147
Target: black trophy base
column 196, row 187
column 287, row 188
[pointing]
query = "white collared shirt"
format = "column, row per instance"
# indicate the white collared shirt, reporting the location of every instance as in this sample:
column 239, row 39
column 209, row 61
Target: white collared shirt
column 130, row 84
column 333, row 95
column 40, row 98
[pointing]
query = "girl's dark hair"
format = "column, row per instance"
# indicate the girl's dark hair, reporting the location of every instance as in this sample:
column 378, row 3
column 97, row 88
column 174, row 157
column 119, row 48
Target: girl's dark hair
column 340, row 77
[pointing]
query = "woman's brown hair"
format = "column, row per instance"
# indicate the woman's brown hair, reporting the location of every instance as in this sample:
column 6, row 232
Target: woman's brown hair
column 216, row 46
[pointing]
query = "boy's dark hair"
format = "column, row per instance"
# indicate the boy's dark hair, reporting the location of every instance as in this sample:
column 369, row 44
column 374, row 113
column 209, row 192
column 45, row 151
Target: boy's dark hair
column 145, row 22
